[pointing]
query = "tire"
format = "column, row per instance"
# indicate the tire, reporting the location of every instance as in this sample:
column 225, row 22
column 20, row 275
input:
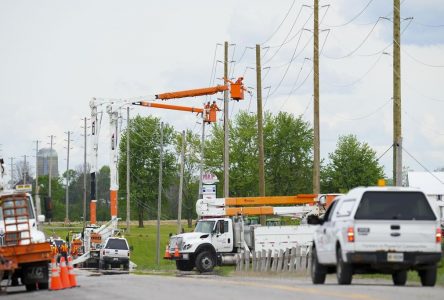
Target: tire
column 205, row 262
column 43, row 285
column 399, row 277
column 344, row 271
column 126, row 266
column 318, row 272
column 428, row 276
column 31, row 287
column 184, row 265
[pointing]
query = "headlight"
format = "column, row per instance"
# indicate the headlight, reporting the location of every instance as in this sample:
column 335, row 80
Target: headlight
column 186, row 247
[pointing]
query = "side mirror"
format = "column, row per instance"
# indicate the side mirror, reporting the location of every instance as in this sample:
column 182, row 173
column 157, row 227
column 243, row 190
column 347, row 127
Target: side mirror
column 314, row 220
column 131, row 248
column 41, row 218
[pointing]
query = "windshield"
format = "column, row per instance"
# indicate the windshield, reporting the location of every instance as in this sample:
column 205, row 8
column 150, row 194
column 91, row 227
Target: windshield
column 204, row 226
column 116, row 244
column 394, row 206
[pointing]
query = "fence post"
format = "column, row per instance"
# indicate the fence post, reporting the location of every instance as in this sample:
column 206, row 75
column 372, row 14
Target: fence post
column 292, row 259
column 258, row 261
column 268, row 263
column 280, row 260
column 237, row 262
column 275, row 261
column 253, row 267
column 298, row 258
column 247, row 260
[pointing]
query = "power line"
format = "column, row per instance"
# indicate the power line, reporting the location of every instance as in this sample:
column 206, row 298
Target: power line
column 419, row 61
column 385, row 152
column 282, row 22
column 354, row 18
column 367, row 115
column 419, row 163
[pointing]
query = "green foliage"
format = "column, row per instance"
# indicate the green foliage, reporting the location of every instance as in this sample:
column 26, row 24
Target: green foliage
column 352, row 164
column 144, row 162
column 288, row 158
column 57, row 196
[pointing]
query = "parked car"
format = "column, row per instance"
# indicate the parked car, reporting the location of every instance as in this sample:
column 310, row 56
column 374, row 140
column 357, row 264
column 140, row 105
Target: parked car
column 387, row 230
column 115, row 254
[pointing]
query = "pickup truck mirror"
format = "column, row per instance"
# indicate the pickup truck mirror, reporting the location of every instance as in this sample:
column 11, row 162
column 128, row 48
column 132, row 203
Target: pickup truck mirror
column 314, row 220
column 131, row 248
column 41, row 218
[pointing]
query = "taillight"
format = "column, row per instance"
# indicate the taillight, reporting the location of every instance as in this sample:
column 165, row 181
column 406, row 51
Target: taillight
column 103, row 252
column 350, row 234
column 438, row 235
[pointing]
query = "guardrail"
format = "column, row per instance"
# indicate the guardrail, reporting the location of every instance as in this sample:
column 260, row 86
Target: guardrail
column 296, row 259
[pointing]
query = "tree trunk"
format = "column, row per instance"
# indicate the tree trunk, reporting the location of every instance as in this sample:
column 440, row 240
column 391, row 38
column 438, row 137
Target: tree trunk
column 140, row 214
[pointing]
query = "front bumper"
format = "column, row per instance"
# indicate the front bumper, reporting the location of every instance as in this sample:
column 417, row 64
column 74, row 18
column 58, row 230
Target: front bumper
column 180, row 256
column 410, row 259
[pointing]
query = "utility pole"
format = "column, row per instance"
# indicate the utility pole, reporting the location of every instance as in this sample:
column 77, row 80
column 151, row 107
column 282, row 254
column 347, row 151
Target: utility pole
column 67, row 179
column 50, row 169
column 182, row 165
column 316, row 134
column 12, row 171
column 24, row 170
column 128, row 169
column 84, row 172
column 260, row 127
column 202, row 156
column 226, row 129
column 159, row 197
column 37, row 187
column 397, row 133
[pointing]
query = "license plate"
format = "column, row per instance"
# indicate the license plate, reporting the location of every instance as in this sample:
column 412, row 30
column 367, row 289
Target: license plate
column 395, row 257
column 186, row 256
column 115, row 259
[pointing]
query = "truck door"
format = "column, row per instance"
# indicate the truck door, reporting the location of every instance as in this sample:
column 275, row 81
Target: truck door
column 223, row 236
column 323, row 236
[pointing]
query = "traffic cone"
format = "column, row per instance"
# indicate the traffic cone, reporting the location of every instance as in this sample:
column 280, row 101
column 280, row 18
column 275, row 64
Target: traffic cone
column 167, row 253
column 176, row 251
column 56, row 283
column 71, row 274
column 64, row 273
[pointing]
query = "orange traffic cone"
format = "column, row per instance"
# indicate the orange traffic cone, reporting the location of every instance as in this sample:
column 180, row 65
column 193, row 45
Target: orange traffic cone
column 64, row 273
column 167, row 253
column 176, row 251
column 71, row 275
column 56, row 283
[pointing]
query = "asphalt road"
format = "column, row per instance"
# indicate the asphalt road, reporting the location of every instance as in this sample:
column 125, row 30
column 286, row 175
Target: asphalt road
column 199, row 287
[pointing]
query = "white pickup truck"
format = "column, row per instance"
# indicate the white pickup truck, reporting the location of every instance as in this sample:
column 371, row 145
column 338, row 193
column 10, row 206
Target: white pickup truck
column 386, row 230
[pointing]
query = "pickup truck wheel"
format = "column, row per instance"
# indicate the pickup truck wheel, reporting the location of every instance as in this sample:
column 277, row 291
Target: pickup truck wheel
column 184, row 265
column 344, row 271
column 205, row 262
column 31, row 287
column 428, row 276
column 399, row 277
column 318, row 272
column 43, row 285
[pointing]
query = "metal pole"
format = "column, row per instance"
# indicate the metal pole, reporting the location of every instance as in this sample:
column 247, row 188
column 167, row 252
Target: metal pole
column 84, row 174
column 128, row 169
column 316, row 131
column 67, row 180
column 182, row 165
column 202, row 156
column 159, row 197
column 397, row 130
column 226, row 129
column 37, row 187
column 24, row 170
column 50, row 169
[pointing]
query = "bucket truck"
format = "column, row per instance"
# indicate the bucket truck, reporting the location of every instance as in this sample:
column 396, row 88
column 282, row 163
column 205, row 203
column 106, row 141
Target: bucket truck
column 24, row 253
column 221, row 231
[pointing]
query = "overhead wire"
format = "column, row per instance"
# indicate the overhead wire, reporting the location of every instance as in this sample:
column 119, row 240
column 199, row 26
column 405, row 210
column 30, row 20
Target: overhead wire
column 417, row 60
column 282, row 22
column 419, row 163
column 352, row 19
column 385, row 152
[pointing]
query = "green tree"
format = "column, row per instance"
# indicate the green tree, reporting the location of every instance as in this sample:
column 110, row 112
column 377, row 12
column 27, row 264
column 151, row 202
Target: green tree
column 57, row 196
column 144, row 161
column 352, row 164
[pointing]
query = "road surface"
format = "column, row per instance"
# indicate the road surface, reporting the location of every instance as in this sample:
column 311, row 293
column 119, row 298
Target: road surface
column 204, row 287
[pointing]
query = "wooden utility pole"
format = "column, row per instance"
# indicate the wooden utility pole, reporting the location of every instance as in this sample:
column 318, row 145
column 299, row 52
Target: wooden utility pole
column 182, row 165
column 128, row 170
column 84, row 173
column 260, row 131
column 159, row 197
column 50, row 170
column 226, row 130
column 316, row 134
column 397, row 133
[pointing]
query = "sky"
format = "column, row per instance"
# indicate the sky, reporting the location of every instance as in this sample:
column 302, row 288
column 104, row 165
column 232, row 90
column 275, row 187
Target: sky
column 56, row 55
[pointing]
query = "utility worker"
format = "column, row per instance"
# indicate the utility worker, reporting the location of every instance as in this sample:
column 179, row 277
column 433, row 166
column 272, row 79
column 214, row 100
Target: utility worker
column 207, row 109
column 213, row 109
column 64, row 250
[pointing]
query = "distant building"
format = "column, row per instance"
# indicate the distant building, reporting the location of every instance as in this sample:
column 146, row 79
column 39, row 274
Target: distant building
column 45, row 157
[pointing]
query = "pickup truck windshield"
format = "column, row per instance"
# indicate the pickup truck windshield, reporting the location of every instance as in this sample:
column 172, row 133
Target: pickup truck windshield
column 394, row 206
column 204, row 226
column 116, row 244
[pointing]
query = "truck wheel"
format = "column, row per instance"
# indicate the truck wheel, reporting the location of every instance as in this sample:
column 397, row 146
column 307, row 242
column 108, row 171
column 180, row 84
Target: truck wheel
column 399, row 277
column 428, row 276
column 318, row 272
column 184, row 265
column 43, row 285
column 31, row 287
column 205, row 262
column 344, row 271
